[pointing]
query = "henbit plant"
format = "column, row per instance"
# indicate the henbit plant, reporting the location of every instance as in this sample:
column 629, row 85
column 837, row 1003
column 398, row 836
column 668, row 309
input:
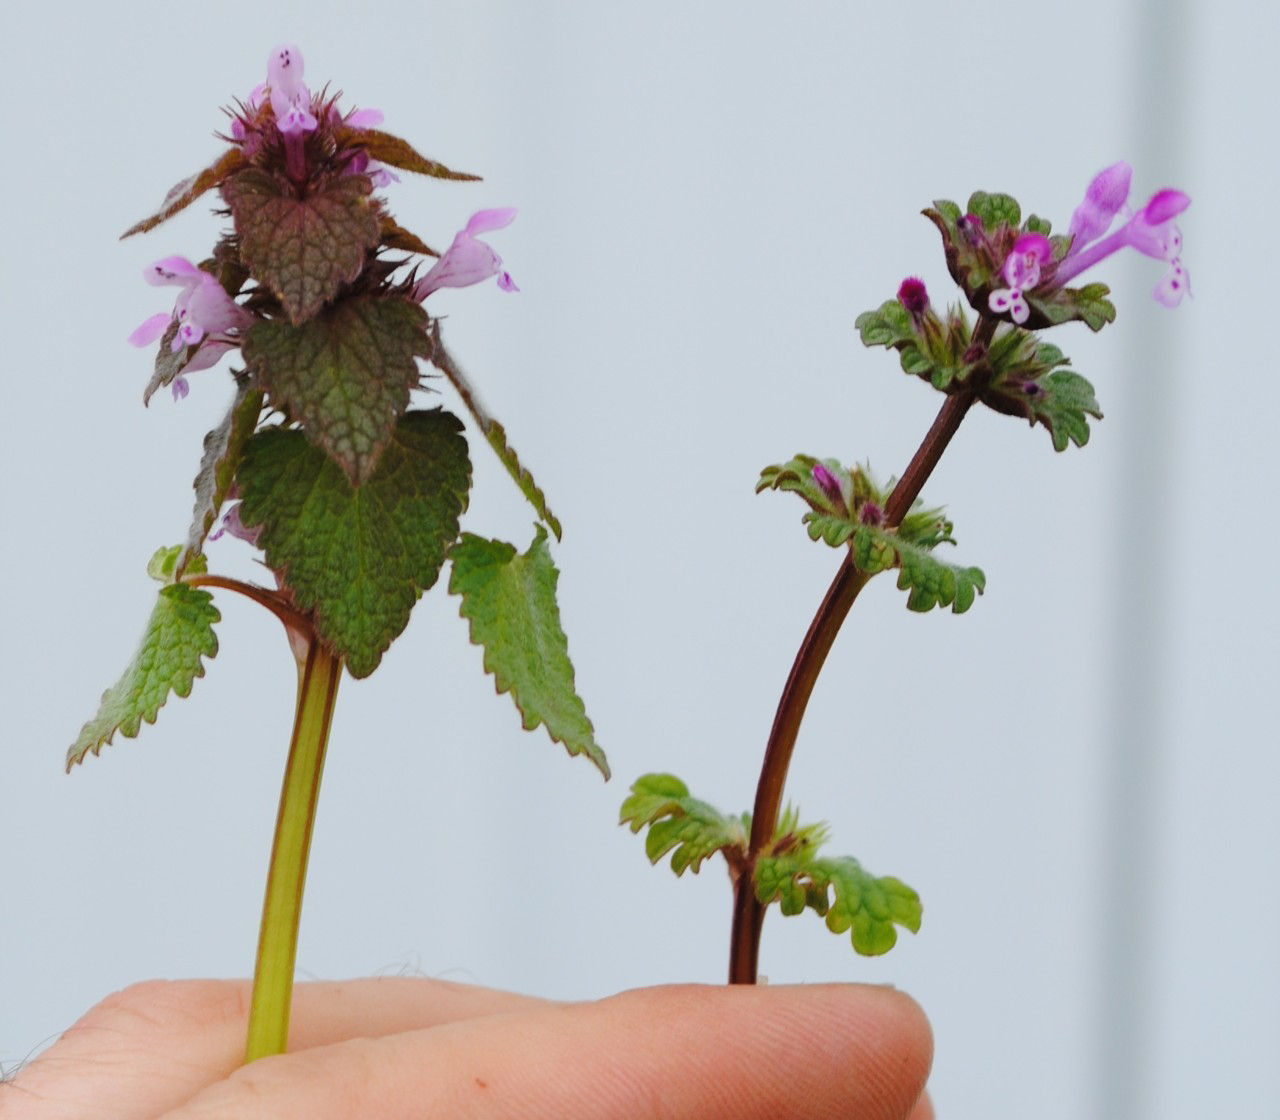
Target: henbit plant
column 354, row 497
column 1013, row 274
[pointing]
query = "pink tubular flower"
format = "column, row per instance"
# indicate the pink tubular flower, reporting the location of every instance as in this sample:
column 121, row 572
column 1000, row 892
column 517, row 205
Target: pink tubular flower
column 1021, row 272
column 207, row 317
column 1151, row 231
column 232, row 525
column 290, row 98
column 469, row 260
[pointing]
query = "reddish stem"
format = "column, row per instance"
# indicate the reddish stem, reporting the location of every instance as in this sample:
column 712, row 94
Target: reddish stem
column 748, row 913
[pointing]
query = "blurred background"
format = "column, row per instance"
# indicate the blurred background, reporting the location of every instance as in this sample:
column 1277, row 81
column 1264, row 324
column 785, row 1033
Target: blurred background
column 1078, row 775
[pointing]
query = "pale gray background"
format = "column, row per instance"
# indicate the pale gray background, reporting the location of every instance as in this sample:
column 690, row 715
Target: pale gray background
column 1079, row 776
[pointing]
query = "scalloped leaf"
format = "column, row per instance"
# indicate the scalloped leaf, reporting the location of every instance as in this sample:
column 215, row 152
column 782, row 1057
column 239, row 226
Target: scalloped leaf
column 358, row 558
column 183, row 194
column 399, row 153
column 1088, row 305
column 222, row 449
column 691, row 830
column 1063, row 404
column 930, row 581
column 995, row 209
column 851, row 899
column 303, row 249
column 493, row 431
column 179, row 634
column 345, row 375
column 509, row 600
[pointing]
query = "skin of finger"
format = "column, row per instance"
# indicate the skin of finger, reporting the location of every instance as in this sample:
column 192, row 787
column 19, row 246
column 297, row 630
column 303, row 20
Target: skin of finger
column 821, row 1051
column 151, row 1047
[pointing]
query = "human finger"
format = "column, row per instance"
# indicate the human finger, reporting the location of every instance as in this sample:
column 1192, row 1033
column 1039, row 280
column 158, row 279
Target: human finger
column 152, row 1046
column 740, row 1053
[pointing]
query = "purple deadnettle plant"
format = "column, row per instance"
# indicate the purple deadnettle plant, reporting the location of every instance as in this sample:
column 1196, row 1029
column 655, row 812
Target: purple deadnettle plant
column 352, row 486
column 331, row 459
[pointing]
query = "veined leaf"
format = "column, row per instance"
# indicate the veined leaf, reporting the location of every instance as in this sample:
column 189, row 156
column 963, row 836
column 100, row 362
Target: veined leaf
column 691, row 830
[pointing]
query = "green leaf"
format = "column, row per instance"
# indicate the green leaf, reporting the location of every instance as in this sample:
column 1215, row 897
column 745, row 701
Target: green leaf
column 510, row 602
column 386, row 148
column 995, row 210
column 867, row 907
column 303, row 249
column 493, row 431
column 1064, row 401
column 358, row 558
column 178, row 634
column 163, row 565
column 345, row 375
column 1028, row 381
column 690, row 829
column 928, row 347
column 222, row 450
column 1088, row 305
column 183, row 194
column 931, row 582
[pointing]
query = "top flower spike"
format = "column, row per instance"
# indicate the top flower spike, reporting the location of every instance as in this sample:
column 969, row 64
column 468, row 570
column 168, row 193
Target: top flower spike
column 1151, row 231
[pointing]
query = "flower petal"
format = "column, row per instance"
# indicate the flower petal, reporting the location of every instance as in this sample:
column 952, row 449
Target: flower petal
column 171, row 270
column 482, row 221
column 151, row 330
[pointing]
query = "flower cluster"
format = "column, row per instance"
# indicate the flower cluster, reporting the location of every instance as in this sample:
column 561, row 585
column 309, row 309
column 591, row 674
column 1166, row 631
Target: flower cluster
column 272, row 131
column 1150, row 230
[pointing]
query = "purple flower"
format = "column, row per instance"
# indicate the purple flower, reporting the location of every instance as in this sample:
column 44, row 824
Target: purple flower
column 290, row 98
column 232, row 525
column 207, row 317
column 361, row 164
column 469, row 260
column 1021, row 272
column 1103, row 199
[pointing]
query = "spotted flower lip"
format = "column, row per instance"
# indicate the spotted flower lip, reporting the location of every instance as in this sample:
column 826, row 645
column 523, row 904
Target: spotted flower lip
column 469, row 260
column 1150, row 230
column 206, row 316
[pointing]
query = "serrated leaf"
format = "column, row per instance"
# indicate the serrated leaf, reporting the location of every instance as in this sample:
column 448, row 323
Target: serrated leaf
column 1028, row 381
column 178, row 635
column 399, row 153
column 212, row 484
column 928, row 347
column 183, row 194
column 345, row 375
column 303, row 249
column 493, row 431
column 358, row 559
column 839, row 889
column 510, row 602
column 690, row 829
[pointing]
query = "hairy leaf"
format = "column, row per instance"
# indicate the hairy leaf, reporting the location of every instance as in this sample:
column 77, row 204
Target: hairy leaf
column 1064, row 400
column 178, row 635
column 510, row 602
column 928, row 348
column 850, row 898
column 222, row 449
column 303, row 249
column 931, row 582
column 395, row 236
column 345, row 375
column 690, row 829
column 183, row 194
column 358, row 559
column 399, row 153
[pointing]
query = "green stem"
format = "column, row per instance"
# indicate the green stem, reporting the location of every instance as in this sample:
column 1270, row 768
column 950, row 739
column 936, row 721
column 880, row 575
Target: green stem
column 318, row 677
column 748, row 913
